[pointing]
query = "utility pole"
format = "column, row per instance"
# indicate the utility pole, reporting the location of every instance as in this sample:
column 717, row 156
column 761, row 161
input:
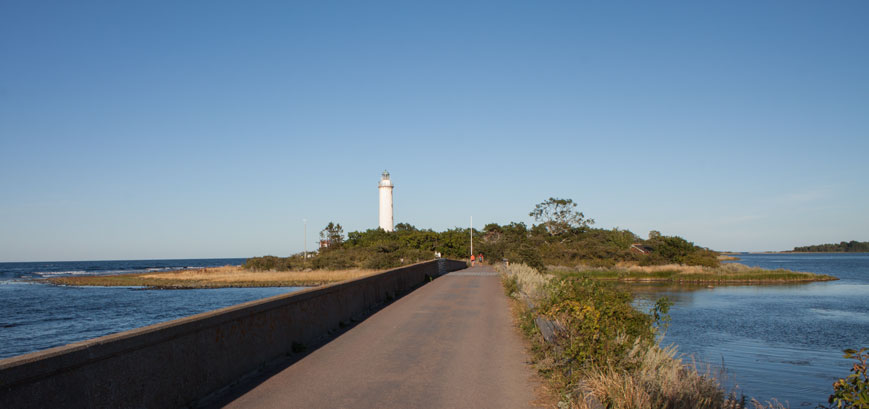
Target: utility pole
column 472, row 236
column 305, row 241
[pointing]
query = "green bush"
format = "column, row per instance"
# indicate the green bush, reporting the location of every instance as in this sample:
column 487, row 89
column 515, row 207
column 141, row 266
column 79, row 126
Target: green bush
column 530, row 256
column 382, row 261
column 333, row 260
column 703, row 258
column 267, row 263
column 600, row 325
column 853, row 391
column 676, row 250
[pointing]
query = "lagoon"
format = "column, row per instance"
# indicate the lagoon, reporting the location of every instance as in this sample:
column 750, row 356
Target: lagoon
column 775, row 341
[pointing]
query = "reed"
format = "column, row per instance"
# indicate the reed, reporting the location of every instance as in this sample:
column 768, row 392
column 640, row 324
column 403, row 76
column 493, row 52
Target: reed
column 530, row 282
column 725, row 273
column 659, row 378
column 727, row 257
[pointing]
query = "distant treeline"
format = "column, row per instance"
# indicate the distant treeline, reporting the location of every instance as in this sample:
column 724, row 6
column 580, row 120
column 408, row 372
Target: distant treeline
column 562, row 237
column 852, row 246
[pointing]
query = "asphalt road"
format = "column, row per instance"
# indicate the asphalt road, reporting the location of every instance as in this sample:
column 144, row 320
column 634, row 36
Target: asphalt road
column 449, row 344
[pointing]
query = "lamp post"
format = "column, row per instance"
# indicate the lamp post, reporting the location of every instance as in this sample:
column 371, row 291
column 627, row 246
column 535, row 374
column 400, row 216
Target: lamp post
column 472, row 236
column 305, row 241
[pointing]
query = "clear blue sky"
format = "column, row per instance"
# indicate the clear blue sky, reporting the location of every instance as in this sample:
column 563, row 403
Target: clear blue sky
column 211, row 129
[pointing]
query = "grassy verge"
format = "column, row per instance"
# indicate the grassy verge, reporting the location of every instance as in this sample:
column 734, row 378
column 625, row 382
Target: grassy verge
column 677, row 273
column 217, row 277
column 597, row 351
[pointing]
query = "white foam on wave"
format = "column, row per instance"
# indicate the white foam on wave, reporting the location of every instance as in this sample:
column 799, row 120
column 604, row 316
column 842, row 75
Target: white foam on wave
column 47, row 274
column 61, row 273
column 158, row 269
column 17, row 282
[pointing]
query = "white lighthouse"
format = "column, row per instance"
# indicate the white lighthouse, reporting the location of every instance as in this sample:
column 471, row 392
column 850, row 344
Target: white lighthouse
column 385, row 188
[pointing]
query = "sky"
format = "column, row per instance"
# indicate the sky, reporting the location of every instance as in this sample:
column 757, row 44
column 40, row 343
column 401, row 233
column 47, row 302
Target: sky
column 142, row 130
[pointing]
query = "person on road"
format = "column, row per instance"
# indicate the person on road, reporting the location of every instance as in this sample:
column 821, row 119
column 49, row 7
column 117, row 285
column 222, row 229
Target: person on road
column 472, row 259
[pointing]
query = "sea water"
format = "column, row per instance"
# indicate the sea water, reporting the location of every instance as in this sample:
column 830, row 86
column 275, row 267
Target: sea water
column 775, row 341
column 36, row 316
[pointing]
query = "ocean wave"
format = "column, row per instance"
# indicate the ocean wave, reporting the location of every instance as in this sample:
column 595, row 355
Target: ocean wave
column 19, row 282
column 159, row 269
column 37, row 270
column 47, row 274
column 61, row 273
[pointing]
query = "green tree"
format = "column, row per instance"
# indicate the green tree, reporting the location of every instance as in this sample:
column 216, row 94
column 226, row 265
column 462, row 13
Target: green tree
column 334, row 235
column 559, row 216
column 404, row 227
column 530, row 256
column 674, row 248
column 622, row 239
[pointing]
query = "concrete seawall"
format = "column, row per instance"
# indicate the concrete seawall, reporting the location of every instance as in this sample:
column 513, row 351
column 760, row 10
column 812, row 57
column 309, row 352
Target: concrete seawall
column 173, row 364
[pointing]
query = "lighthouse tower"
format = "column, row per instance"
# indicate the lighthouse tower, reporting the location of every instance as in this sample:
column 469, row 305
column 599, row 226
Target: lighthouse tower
column 385, row 188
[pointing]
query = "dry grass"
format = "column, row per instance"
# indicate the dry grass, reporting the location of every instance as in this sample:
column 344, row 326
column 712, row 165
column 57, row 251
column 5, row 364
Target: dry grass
column 530, row 281
column 216, row 277
column 659, row 380
column 725, row 273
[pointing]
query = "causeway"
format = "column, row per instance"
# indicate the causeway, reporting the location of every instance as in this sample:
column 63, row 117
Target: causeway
column 451, row 343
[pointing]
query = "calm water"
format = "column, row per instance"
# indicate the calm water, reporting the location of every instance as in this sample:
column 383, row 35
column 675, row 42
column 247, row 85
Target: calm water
column 39, row 316
column 782, row 341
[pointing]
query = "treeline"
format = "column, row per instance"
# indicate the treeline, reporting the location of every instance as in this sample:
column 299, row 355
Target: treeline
column 587, row 246
column 852, row 246
column 562, row 236
column 372, row 249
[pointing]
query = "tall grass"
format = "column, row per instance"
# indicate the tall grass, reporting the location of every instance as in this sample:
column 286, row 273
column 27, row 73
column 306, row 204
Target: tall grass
column 657, row 379
column 725, row 273
column 610, row 368
column 529, row 281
